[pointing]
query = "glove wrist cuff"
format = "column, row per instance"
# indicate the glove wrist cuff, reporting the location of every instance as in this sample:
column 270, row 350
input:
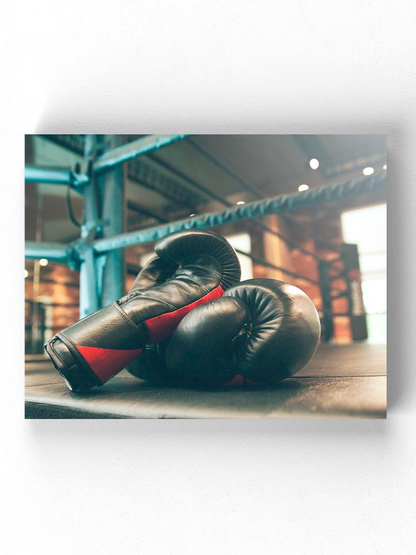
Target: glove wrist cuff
column 94, row 350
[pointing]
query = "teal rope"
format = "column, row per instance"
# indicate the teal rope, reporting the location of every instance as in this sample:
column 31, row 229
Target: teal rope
column 256, row 209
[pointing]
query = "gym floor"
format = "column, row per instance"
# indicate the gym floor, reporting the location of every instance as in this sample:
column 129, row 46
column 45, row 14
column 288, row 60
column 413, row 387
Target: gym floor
column 341, row 381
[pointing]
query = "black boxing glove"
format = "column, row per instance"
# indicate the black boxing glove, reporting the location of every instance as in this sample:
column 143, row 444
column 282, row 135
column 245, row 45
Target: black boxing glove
column 191, row 268
column 260, row 332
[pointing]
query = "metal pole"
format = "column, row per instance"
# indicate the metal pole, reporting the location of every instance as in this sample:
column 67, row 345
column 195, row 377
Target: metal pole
column 124, row 152
column 229, row 171
column 36, row 311
column 112, row 187
column 55, row 252
column 88, row 281
column 55, row 176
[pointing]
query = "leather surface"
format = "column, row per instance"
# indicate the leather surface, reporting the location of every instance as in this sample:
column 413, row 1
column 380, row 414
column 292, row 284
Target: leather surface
column 200, row 351
column 264, row 330
column 159, row 327
column 108, row 328
column 199, row 275
column 191, row 266
column 285, row 330
column 155, row 272
column 180, row 246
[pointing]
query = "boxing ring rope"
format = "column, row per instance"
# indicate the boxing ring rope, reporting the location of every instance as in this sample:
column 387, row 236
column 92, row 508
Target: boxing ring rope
column 91, row 252
column 225, row 202
column 249, row 187
column 265, row 263
column 248, row 212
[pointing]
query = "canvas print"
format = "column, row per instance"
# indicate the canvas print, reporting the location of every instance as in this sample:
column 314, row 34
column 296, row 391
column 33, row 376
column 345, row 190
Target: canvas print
column 205, row 276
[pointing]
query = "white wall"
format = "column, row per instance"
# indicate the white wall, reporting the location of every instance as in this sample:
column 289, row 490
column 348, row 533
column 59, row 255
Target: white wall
column 167, row 487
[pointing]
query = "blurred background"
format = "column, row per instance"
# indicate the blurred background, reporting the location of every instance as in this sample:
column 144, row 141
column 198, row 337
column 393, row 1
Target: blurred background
column 207, row 173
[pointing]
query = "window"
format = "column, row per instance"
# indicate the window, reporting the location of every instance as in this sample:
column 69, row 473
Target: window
column 367, row 228
column 242, row 242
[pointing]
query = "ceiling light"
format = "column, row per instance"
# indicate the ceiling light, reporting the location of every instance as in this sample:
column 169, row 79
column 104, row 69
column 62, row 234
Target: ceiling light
column 43, row 261
column 303, row 187
column 26, row 274
column 240, row 202
column 368, row 171
column 314, row 163
column 191, row 215
column 385, row 167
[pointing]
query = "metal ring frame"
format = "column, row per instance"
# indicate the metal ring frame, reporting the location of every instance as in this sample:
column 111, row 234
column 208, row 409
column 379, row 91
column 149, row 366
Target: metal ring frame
column 91, row 252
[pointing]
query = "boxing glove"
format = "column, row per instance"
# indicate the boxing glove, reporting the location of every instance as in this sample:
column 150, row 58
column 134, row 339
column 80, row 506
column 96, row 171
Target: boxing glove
column 191, row 268
column 260, row 332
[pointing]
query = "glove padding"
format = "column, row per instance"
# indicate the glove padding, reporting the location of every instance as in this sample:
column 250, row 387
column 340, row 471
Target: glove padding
column 191, row 268
column 260, row 332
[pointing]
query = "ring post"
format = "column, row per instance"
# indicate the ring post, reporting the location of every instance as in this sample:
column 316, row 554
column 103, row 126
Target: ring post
column 88, row 281
column 112, row 187
column 325, row 285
